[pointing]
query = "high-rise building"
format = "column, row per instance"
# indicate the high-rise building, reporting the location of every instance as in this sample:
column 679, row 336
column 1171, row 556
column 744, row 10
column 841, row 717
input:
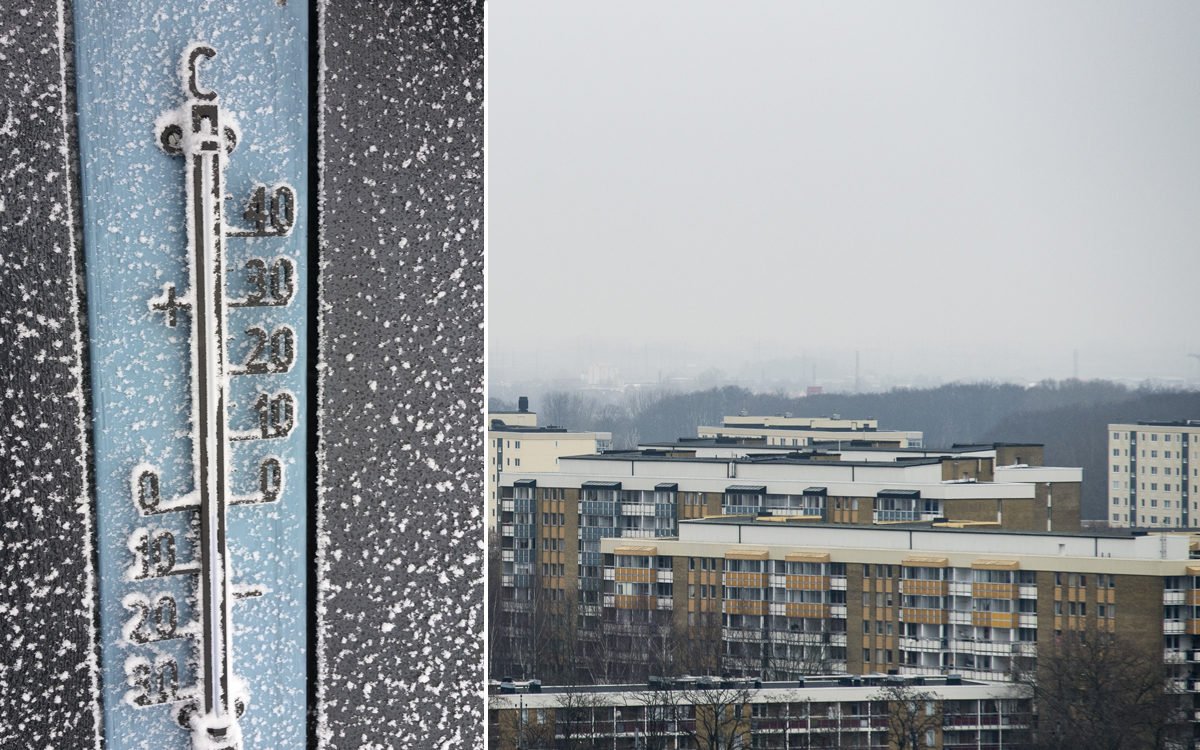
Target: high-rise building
column 1154, row 474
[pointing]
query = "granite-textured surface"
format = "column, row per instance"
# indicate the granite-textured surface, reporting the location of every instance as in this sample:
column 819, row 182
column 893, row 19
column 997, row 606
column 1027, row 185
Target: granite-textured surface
column 400, row 386
column 47, row 658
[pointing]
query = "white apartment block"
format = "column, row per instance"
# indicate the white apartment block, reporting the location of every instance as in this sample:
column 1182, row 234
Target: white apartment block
column 516, row 443
column 1152, row 474
column 799, row 432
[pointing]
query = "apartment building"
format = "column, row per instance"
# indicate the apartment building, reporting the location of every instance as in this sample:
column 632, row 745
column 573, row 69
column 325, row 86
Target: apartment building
column 552, row 525
column 800, row 432
column 516, row 442
column 788, row 597
column 829, row 711
column 1154, row 474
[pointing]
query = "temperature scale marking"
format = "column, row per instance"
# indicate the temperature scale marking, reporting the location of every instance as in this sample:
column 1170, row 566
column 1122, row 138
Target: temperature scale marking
column 204, row 135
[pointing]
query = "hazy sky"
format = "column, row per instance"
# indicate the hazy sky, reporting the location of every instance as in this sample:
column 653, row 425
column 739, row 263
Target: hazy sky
column 967, row 188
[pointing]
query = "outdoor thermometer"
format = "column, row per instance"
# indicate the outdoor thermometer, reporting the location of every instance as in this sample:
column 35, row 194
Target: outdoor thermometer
column 194, row 178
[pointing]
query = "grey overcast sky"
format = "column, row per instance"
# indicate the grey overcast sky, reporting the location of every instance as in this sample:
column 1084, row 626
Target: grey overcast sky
column 963, row 190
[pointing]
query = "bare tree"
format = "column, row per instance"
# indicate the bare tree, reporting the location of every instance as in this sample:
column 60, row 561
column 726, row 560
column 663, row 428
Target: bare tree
column 659, row 728
column 714, row 717
column 1104, row 691
column 698, row 647
column 911, row 714
column 799, row 653
column 573, row 715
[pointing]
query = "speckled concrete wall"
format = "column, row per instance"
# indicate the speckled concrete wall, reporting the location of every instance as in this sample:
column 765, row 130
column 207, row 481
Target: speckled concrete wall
column 46, row 631
column 401, row 358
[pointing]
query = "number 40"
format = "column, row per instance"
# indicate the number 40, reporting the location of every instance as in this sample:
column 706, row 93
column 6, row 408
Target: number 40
column 278, row 210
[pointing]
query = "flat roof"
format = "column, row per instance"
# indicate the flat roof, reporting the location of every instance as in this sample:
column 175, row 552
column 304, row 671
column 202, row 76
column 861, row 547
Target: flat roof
column 797, row 428
column 922, row 526
column 794, row 458
column 738, row 442
column 846, row 681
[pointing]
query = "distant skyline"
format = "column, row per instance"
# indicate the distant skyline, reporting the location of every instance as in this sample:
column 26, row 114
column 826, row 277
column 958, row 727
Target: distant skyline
column 953, row 191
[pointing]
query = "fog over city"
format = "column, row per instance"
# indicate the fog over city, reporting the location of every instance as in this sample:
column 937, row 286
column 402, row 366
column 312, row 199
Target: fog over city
column 851, row 196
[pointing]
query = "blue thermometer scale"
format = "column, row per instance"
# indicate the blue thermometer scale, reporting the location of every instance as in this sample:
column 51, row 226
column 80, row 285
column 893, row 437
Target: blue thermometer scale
column 195, row 257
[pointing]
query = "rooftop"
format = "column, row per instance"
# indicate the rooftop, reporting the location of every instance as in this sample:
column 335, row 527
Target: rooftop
column 934, row 526
column 689, row 682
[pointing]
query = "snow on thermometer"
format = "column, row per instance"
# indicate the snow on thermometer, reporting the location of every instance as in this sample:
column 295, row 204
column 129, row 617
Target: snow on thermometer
column 203, row 135
column 195, row 254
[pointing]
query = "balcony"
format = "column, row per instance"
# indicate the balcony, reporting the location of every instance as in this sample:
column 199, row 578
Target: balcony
column 980, row 590
column 666, row 576
column 506, row 530
column 1025, row 620
column 926, row 616
column 838, row 611
column 921, row 644
column 837, row 583
column 1173, row 597
column 506, row 506
column 915, row 587
column 746, row 580
column 807, row 583
column 742, row 635
column 633, row 575
column 807, row 609
column 1170, row 656
column 960, row 588
column 1173, row 627
column 994, row 619
column 1027, row 591
column 744, row 607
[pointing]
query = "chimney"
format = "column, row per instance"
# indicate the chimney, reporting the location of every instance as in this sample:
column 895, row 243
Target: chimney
column 523, row 404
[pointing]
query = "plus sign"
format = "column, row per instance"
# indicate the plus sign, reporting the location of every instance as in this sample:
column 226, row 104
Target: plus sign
column 168, row 303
